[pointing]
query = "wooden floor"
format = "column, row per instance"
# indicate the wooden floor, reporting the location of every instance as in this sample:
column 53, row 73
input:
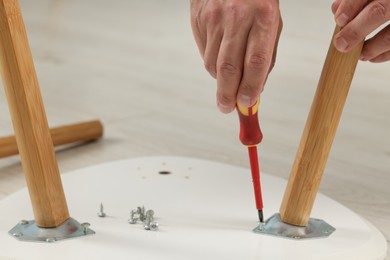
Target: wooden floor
column 134, row 65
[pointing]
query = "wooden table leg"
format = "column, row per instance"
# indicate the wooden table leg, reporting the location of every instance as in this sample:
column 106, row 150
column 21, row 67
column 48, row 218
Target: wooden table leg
column 81, row 132
column 29, row 119
column 318, row 135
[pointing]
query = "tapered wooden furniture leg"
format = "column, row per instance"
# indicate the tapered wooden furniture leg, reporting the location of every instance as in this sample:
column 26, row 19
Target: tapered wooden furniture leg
column 29, row 119
column 318, row 135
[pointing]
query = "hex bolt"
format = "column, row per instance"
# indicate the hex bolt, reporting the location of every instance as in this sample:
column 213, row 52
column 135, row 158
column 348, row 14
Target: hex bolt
column 85, row 226
column 101, row 213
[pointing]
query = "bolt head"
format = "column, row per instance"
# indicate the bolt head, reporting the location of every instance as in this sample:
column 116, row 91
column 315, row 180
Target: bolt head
column 153, row 226
column 132, row 220
column 101, row 214
column 17, row 234
column 23, row 222
column 51, row 239
column 85, row 226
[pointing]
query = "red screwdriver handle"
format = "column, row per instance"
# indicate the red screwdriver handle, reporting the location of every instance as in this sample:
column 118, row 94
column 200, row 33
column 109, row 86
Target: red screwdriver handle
column 250, row 133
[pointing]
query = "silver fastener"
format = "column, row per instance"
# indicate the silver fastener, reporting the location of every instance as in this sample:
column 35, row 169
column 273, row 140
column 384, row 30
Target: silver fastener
column 23, row 222
column 85, row 226
column 149, row 224
column 149, row 214
column 261, row 226
column 141, row 213
column 153, row 226
column 17, row 234
column 133, row 218
column 51, row 239
column 101, row 213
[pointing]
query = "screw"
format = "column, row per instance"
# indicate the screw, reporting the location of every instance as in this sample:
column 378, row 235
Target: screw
column 133, row 219
column 141, row 212
column 85, row 226
column 296, row 237
column 23, row 222
column 101, row 213
column 149, row 223
column 51, row 239
column 261, row 226
column 153, row 226
column 17, row 234
column 149, row 215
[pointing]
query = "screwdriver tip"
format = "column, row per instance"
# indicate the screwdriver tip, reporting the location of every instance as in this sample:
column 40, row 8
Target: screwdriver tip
column 261, row 217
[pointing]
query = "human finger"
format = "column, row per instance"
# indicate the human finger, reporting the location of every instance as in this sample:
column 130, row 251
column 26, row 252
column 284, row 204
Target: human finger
column 346, row 10
column 214, row 38
column 335, row 5
column 199, row 36
column 377, row 45
column 258, row 58
column 371, row 17
column 381, row 58
column 280, row 28
column 229, row 63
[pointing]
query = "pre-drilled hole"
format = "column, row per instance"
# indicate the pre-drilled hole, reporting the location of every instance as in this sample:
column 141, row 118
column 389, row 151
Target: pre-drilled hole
column 164, row 172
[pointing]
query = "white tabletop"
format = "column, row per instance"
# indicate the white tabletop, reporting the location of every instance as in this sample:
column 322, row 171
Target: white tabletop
column 205, row 210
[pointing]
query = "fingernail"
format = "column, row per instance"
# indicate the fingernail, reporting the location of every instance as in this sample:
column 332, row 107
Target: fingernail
column 342, row 19
column 225, row 109
column 341, row 44
column 244, row 100
column 333, row 7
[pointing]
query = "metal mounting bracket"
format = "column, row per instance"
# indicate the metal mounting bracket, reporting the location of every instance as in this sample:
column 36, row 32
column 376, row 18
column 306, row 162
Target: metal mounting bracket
column 274, row 226
column 29, row 231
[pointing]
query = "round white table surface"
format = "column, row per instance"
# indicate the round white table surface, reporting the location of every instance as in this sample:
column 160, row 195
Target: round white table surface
column 205, row 210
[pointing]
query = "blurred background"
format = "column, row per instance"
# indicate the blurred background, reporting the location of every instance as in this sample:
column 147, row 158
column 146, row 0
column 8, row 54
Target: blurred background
column 135, row 66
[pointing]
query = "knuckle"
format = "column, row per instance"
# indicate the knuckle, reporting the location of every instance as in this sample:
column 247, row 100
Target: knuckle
column 266, row 12
column 377, row 10
column 213, row 15
column 248, row 88
column 235, row 15
column 227, row 69
column 257, row 60
column 346, row 7
column 237, row 12
column 267, row 8
column 352, row 35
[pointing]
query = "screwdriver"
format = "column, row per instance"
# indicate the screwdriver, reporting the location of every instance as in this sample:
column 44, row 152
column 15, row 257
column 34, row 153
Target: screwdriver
column 251, row 136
